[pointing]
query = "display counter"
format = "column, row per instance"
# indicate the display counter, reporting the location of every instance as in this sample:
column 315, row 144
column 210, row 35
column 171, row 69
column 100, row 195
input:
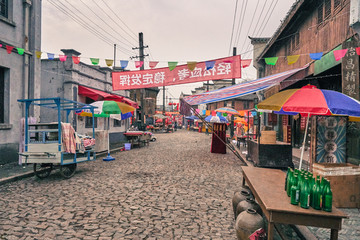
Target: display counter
column 278, row 155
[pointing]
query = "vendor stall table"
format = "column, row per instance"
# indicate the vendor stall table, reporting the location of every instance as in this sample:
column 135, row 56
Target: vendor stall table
column 267, row 186
column 278, row 155
column 138, row 137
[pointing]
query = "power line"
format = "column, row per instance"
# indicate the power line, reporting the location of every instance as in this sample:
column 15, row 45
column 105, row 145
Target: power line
column 98, row 25
column 113, row 21
column 241, row 24
column 81, row 22
column 119, row 19
column 252, row 19
column 238, row 26
column 96, row 33
column 257, row 23
column 232, row 32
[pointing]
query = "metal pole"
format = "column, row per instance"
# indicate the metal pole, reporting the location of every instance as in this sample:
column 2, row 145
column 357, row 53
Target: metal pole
column 142, row 90
column 164, row 105
column 303, row 145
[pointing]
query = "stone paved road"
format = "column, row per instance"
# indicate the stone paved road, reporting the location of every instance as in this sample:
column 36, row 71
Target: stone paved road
column 173, row 189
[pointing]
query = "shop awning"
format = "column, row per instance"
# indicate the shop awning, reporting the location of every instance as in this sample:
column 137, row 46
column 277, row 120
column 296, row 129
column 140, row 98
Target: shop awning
column 98, row 95
column 241, row 89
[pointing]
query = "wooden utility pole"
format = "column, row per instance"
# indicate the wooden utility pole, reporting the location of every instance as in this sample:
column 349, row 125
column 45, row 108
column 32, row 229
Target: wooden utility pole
column 140, row 116
column 232, row 104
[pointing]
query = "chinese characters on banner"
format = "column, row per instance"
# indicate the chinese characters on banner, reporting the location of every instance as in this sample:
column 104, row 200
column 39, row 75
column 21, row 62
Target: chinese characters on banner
column 331, row 139
column 303, row 123
column 224, row 68
column 350, row 70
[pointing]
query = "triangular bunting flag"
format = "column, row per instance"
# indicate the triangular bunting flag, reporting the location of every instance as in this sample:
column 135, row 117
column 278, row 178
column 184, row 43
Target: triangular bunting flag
column 316, row 56
column 123, row 64
column 138, row 64
column 0, row 45
column 76, row 59
column 172, row 65
column 207, row 112
column 271, row 60
column 94, row 61
column 358, row 50
column 224, row 114
column 209, row 64
column 20, row 51
column 62, row 58
column 218, row 114
column 213, row 113
column 152, row 64
column 339, row 54
column 191, row 65
column 51, row 56
column 38, row 54
column 203, row 112
column 109, row 62
column 292, row 59
column 9, row 49
column 245, row 63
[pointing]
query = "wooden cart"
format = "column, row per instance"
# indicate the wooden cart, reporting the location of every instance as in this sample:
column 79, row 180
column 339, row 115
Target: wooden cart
column 43, row 141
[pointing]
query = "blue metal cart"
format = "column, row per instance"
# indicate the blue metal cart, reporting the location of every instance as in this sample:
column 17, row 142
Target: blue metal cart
column 43, row 141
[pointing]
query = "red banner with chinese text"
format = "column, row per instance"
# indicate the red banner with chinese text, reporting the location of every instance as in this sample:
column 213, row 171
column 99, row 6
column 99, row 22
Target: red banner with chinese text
column 225, row 68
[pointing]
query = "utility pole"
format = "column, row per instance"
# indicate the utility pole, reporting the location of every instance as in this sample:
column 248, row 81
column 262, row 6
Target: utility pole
column 140, row 117
column 114, row 56
column 232, row 104
column 164, row 105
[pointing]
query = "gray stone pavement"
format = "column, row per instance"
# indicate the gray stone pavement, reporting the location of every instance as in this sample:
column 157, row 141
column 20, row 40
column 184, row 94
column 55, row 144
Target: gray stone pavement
column 173, row 189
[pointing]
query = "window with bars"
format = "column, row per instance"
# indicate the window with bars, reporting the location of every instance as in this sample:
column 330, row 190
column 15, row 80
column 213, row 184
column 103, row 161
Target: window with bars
column 117, row 123
column 327, row 8
column 293, row 43
column 320, row 14
column 4, row 8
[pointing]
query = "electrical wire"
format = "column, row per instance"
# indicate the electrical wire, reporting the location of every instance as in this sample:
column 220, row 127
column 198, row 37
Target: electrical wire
column 252, row 19
column 81, row 22
column 86, row 5
column 114, row 22
column 119, row 18
column 96, row 33
column 232, row 32
column 240, row 25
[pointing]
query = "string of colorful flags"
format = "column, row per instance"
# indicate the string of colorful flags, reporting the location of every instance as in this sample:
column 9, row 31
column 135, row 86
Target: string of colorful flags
column 338, row 55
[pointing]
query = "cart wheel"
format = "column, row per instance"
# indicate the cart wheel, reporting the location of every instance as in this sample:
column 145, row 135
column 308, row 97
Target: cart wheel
column 42, row 170
column 67, row 171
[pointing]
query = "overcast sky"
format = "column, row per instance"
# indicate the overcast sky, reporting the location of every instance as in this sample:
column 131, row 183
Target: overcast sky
column 181, row 31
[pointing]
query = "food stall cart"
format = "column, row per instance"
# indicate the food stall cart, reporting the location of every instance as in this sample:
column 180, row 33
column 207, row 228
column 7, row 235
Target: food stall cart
column 138, row 138
column 49, row 145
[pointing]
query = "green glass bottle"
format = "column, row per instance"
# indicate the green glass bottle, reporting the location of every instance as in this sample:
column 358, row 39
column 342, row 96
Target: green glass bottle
column 287, row 177
column 305, row 194
column 289, row 183
column 327, row 197
column 295, row 191
column 317, row 199
column 311, row 188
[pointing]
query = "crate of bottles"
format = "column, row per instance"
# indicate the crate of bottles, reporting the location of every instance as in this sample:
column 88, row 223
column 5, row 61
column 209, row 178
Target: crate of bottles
column 345, row 182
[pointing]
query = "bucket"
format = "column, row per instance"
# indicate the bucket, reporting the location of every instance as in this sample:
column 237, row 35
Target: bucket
column 127, row 146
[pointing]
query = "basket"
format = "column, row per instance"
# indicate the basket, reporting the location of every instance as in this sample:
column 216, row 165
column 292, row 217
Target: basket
column 127, row 146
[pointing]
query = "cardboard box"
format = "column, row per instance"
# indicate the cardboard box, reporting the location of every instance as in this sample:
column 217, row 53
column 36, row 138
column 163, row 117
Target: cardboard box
column 344, row 181
column 268, row 137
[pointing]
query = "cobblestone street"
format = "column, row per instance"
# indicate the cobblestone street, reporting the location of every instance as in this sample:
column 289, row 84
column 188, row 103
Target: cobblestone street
column 173, row 189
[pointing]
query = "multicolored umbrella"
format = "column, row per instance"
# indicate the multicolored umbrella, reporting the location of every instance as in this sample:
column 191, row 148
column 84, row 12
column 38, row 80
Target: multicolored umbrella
column 214, row 119
column 310, row 100
column 227, row 110
column 105, row 108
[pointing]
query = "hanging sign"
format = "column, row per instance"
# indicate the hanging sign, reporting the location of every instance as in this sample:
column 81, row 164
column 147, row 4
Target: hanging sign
column 224, row 68
column 303, row 123
column 350, row 70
